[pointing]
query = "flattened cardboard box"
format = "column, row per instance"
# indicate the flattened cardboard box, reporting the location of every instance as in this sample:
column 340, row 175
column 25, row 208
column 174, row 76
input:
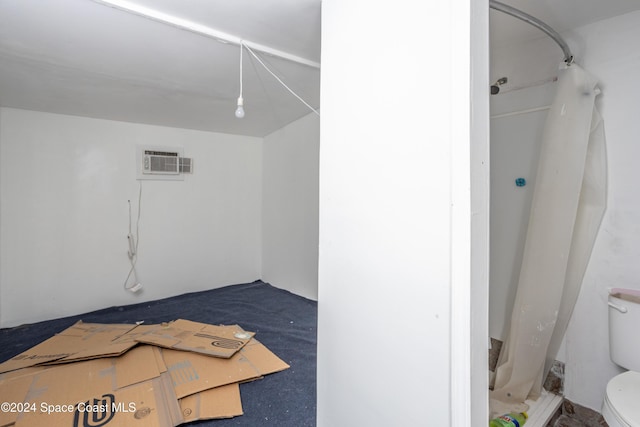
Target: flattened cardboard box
column 82, row 341
column 262, row 359
column 218, row 341
column 13, row 387
column 192, row 373
column 99, row 392
column 119, row 382
column 215, row 403
column 193, row 376
column 145, row 378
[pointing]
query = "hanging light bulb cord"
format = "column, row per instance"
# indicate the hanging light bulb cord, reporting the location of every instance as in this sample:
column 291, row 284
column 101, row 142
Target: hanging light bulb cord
column 240, row 105
column 243, row 44
column 241, row 69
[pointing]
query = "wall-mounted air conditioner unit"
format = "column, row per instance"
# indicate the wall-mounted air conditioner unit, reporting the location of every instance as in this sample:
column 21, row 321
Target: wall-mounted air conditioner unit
column 162, row 163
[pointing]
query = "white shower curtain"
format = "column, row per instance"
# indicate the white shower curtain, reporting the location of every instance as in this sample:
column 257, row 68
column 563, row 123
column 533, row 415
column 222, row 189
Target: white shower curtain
column 568, row 204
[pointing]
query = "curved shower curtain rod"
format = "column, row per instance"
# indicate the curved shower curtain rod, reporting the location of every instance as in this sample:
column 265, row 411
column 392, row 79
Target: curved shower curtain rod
column 516, row 13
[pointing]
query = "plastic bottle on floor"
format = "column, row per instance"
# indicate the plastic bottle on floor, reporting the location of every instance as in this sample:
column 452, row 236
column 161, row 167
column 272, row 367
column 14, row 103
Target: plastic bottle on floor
column 509, row 420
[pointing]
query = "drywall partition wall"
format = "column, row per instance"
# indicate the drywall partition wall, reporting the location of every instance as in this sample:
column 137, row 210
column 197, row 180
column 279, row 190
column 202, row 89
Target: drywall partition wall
column 608, row 50
column 1, row 203
column 394, row 214
column 290, row 207
column 480, row 219
column 64, row 215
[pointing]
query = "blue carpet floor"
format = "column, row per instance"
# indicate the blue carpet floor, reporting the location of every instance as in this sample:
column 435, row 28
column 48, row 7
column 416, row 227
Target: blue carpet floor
column 284, row 322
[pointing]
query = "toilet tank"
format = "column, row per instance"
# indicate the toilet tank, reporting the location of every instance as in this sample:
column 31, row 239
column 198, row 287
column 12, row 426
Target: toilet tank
column 624, row 324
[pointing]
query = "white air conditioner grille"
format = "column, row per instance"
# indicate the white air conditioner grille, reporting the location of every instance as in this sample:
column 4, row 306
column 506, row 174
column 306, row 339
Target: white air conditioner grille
column 161, row 162
column 186, row 165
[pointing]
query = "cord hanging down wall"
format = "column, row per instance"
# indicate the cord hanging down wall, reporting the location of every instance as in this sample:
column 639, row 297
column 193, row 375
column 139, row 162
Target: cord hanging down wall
column 134, row 241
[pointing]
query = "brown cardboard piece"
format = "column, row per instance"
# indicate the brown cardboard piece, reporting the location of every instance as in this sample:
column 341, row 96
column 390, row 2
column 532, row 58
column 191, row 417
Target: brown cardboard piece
column 118, row 391
column 218, row 341
column 192, row 373
column 13, row 387
column 262, row 359
column 215, row 403
column 208, row 387
column 157, row 387
column 82, row 341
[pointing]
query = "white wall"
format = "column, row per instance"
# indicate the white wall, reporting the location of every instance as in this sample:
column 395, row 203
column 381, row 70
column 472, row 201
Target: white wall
column 607, row 49
column 394, row 214
column 611, row 53
column 480, row 164
column 290, row 207
column 64, row 184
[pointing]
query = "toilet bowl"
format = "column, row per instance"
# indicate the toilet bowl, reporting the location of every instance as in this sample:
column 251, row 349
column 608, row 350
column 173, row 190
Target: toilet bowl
column 621, row 406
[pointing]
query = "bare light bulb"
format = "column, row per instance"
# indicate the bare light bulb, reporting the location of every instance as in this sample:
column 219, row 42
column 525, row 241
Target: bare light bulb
column 240, row 109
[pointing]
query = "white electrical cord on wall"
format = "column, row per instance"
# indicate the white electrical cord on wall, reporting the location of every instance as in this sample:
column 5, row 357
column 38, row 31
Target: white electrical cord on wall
column 132, row 253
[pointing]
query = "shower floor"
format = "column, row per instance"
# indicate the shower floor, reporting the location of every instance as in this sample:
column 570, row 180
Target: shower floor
column 541, row 410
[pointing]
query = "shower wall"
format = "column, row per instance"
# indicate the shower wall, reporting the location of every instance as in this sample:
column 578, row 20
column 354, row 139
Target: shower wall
column 608, row 50
column 516, row 132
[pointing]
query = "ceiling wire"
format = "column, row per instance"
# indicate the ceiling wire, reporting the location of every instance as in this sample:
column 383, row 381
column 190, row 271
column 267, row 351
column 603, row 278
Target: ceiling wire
column 203, row 30
column 261, row 78
column 278, row 79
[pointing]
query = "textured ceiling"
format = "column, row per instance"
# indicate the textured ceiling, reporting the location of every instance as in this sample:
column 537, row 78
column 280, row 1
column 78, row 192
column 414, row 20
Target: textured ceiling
column 82, row 57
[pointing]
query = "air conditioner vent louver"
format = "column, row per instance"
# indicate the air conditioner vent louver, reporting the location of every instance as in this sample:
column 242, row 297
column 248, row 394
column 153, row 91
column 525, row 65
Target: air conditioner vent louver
column 162, row 162
column 186, row 165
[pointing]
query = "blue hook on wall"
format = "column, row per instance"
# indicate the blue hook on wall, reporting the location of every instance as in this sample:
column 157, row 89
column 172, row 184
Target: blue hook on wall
column 521, row 182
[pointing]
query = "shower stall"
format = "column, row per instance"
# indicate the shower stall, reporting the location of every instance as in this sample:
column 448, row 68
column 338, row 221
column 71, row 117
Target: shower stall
column 548, row 192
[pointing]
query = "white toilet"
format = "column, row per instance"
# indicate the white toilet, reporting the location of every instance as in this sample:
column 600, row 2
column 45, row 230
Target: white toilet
column 621, row 406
